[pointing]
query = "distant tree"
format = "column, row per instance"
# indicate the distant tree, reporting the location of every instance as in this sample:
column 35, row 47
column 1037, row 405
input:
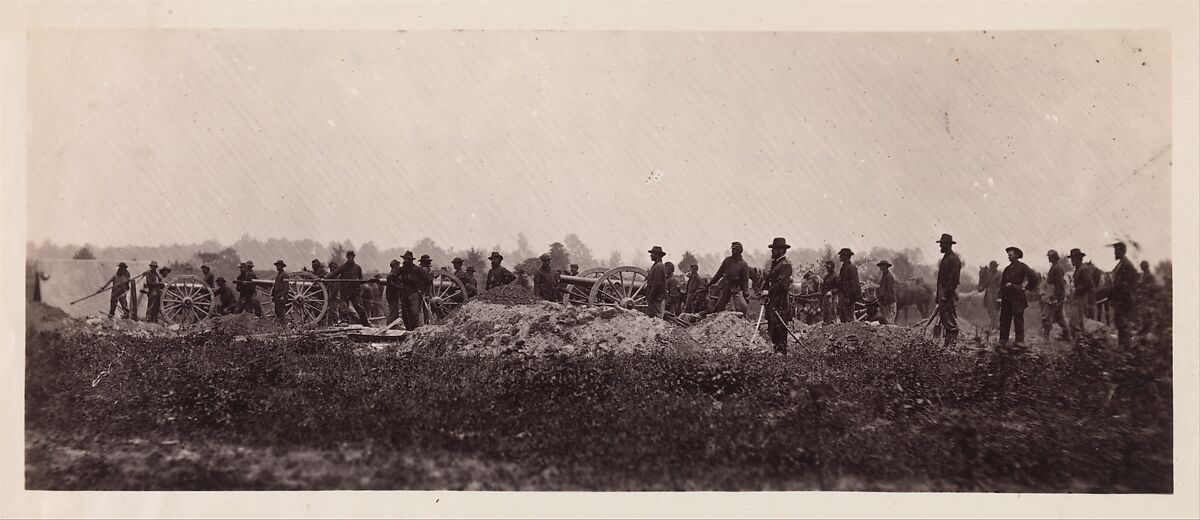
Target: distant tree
column 84, row 254
column 686, row 261
column 614, row 259
column 580, row 253
column 222, row 263
column 337, row 253
column 827, row 253
column 560, row 259
column 523, row 251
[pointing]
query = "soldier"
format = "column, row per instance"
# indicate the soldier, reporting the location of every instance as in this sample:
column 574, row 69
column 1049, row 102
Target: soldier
column 120, row 287
column 1147, row 293
column 736, row 275
column 574, row 270
column 1121, row 294
column 1097, row 281
column 945, row 295
column 1081, row 294
column 225, row 299
column 693, row 288
column 426, row 263
column 849, row 289
column 989, row 285
column 412, row 281
column 337, row 306
column 208, row 276
column 467, row 278
column 545, row 281
column 154, row 287
column 779, row 301
column 319, row 269
column 674, row 291
column 886, row 293
column 1012, row 295
column 656, row 284
column 1052, row 306
column 498, row 275
column 352, row 291
column 391, row 291
column 279, row 293
column 247, row 294
column 829, row 291
column 471, row 281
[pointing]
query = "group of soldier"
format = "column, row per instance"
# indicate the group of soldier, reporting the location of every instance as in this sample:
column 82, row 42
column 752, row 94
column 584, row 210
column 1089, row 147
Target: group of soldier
column 409, row 283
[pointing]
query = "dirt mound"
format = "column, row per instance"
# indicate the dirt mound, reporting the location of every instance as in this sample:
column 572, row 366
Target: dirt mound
column 857, row 333
column 44, row 318
column 128, row 327
column 545, row 328
column 726, row 332
column 510, row 294
column 244, row 324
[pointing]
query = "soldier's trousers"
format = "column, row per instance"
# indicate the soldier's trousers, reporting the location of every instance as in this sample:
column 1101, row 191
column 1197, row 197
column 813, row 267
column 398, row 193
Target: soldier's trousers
column 947, row 320
column 1122, row 317
column 828, row 309
column 411, row 309
column 846, row 310
column 776, row 328
column 1052, row 314
column 1011, row 319
column 153, row 306
column 118, row 300
column 354, row 299
column 887, row 314
column 730, row 293
column 993, row 314
column 249, row 303
column 656, row 307
column 696, row 302
column 281, row 309
column 1075, row 318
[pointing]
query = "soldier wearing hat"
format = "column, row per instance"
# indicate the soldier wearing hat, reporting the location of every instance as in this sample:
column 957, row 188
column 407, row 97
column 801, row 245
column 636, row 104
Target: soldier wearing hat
column 318, row 269
column 1056, row 294
column 989, row 285
column 467, row 279
column 1121, row 294
column 426, row 263
column 778, row 287
column 849, row 288
column 247, row 294
column 120, row 288
column 694, row 291
column 226, row 301
column 674, row 290
column 352, row 291
column 946, row 292
column 498, row 275
column 1017, row 280
column 656, row 284
column 410, row 283
column 208, row 276
column 279, row 292
column 545, row 280
column 886, row 293
column 1083, row 289
column 829, row 292
column 735, row 274
column 154, row 288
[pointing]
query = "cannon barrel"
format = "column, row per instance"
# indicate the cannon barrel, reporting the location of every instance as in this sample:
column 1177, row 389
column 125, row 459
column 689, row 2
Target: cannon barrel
column 590, row 282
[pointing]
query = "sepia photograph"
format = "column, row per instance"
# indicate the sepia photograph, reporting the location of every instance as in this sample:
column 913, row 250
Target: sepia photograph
column 283, row 259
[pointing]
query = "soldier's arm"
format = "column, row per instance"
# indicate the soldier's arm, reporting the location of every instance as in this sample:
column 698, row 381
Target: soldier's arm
column 720, row 272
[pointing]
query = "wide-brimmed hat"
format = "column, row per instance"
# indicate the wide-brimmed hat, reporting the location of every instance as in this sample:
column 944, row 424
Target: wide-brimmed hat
column 220, row 279
column 249, row 263
column 121, row 264
column 545, row 257
column 659, row 250
column 845, row 251
column 1076, row 253
column 425, row 258
column 1009, row 249
column 1052, row 253
column 946, row 238
column 884, row 263
column 779, row 243
column 495, row 256
column 408, row 255
column 1118, row 243
column 280, row 263
column 153, row 263
column 457, row 260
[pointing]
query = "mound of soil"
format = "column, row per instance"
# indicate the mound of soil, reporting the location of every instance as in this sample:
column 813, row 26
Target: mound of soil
column 511, row 294
column 244, row 324
column 727, row 332
column 44, row 318
column 544, row 328
column 127, row 327
column 857, row 333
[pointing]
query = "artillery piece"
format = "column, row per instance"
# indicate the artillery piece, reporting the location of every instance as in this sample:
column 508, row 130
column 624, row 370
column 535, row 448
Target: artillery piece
column 621, row 287
column 810, row 303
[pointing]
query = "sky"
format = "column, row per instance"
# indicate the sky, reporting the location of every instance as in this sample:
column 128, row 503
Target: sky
column 1042, row 140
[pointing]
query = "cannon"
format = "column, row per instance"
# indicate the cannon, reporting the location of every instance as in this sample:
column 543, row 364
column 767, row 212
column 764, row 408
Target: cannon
column 621, row 287
column 807, row 304
column 186, row 299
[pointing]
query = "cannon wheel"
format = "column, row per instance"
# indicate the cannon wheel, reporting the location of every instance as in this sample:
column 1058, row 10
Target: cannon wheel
column 186, row 299
column 621, row 287
column 577, row 295
column 867, row 308
column 308, row 299
column 449, row 293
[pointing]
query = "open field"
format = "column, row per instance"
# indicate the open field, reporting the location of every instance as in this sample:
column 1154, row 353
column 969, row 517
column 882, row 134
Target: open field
column 852, row 407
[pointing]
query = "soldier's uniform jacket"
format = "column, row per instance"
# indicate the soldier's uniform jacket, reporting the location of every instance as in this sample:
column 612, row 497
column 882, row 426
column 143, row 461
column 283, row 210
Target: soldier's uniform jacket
column 693, row 285
column 949, row 270
column 210, row 280
column 848, row 285
column 545, row 284
column 830, row 282
column 499, row 276
column 245, row 283
column 656, row 283
column 887, row 289
column 225, row 298
column 391, row 286
column 1057, row 280
column 321, row 272
column 467, row 280
column 1082, row 280
column 1016, row 273
column 736, row 273
column 153, row 282
column 120, row 283
column 991, row 291
column 412, row 279
column 1124, row 283
column 779, row 285
column 279, row 289
column 349, row 271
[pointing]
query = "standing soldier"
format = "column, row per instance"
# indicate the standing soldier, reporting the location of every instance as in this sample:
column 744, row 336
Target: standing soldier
column 279, row 293
column 656, row 284
column 247, row 294
column 849, row 289
column 208, row 276
column 1081, row 294
column 1147, row 294
column 391, row 291
column 674, row 291
column 545, row 281
column 120, row 287
column 1052, row 307
column 694, row 291
column 1012, row 295
column 946, row 295
column 352, row 291
column 426, row 263
column 498, row 275
column 736, row 275
column 779, row 301
column 989, row 285
column 154, row 288
column 829, row 291
column 411, row 280
column 886, row 293
column 1121, row 294
column 337, row 307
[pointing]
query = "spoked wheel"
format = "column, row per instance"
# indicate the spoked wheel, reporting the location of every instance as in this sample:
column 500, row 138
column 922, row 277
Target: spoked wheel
column 307, row 299
column 186, row 299
column 866, row 309
column 447, row 295
column 578, row 294
column 621, row 287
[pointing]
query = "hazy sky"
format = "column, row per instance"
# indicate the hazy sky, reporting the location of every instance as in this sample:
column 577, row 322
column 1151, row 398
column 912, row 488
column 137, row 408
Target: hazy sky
column 685, row 140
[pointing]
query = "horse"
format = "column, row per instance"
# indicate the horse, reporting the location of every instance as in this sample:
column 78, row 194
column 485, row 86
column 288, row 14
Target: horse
column 915, row 293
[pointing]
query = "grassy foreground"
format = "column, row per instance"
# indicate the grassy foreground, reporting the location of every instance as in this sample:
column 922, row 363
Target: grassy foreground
column 210, row 413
